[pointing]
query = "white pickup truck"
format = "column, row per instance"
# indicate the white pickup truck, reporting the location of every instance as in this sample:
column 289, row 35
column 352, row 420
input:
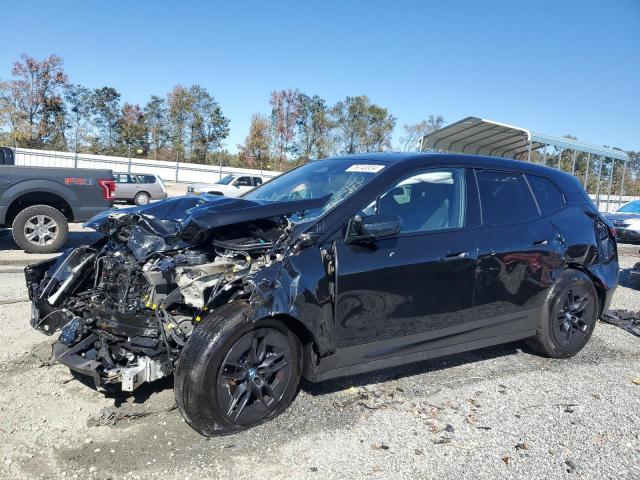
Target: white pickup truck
column 229, row 186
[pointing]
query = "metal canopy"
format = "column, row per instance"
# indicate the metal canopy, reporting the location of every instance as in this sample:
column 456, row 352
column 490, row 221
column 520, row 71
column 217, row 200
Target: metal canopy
column 478, row 136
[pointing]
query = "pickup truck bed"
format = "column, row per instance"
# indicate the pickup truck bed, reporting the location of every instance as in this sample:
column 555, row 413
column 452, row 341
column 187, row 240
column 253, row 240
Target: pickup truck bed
column 37, row 202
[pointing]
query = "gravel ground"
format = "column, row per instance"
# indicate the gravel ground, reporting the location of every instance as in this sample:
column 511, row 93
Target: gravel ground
column 500, row 412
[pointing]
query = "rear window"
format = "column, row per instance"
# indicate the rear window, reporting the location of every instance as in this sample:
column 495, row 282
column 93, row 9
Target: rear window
column 148, row 178
column 505, row 198
column 549, row 197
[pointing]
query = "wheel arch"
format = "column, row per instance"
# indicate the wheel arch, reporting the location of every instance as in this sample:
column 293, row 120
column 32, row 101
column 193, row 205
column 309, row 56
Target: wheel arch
column 597, row 283
column 307, row 339
column 29, row 199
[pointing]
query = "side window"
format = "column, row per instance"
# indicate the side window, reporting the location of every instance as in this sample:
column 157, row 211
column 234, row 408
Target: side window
column 257, row 181
column 243, row 182
column 122, row 178
column 149, row 179
column 505, row 198
column 548, row 196
column 428, row 201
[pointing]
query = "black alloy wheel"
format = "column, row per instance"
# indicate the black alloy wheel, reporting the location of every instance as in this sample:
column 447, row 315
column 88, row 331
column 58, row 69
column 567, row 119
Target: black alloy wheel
column 568, row 317
column 572, row 317
column 254, row 375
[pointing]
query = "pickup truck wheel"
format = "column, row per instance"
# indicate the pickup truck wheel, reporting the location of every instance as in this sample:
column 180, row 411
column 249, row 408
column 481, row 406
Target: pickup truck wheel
column 141, row 198
column 40, row 229
column 235, row 374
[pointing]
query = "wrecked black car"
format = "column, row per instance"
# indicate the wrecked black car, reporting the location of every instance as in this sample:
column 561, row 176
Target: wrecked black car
column 339, row 267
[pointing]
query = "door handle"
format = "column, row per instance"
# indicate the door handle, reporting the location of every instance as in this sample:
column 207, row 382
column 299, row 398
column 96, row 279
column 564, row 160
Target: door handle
column 540, row 242
column 455, row 256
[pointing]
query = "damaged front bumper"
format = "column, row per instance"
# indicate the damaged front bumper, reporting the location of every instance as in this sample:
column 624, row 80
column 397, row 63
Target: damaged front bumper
column 49, row 284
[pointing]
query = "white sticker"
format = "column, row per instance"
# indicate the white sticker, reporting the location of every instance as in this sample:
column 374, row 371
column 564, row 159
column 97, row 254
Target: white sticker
column 359, row 167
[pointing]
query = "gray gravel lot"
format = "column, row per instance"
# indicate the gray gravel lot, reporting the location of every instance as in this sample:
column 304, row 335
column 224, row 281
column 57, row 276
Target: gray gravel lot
column 497, row 413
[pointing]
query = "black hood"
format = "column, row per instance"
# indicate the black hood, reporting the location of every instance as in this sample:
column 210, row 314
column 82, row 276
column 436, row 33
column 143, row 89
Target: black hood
column 180, row 221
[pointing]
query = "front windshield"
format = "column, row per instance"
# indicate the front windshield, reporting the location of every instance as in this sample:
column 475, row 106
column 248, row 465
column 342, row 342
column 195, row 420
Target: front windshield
column 335, row 178
column 631, row 207
column 226, row 180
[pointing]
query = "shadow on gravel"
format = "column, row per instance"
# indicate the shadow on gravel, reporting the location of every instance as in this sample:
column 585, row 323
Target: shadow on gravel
column 418, row 368
column 142, row 393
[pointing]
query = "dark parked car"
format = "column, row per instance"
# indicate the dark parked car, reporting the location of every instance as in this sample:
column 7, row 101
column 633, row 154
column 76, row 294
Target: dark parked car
column 37, row 202
column 339, row 267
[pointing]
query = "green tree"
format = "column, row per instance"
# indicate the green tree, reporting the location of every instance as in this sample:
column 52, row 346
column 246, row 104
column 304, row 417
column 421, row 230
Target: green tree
column 105, row 104
column 255, row 151
column 314, row 127
column 31, row 103
column 155, row 114
column 362, row 126
column 132, row 129
column 78, row 100
column 180, row 104
column 284, row 113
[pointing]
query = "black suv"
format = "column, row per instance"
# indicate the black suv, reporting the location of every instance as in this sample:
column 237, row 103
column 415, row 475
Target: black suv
column 339, row 267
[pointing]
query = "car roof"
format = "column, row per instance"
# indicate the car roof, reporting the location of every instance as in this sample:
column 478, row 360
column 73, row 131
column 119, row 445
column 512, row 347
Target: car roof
column 476, row 161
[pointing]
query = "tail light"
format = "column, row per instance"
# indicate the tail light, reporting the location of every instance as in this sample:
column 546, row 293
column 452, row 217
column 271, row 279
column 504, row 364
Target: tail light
column 108, row 189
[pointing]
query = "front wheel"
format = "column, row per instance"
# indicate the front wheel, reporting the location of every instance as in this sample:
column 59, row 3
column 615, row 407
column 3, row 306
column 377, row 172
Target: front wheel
column 235, row 374
column 572, row 312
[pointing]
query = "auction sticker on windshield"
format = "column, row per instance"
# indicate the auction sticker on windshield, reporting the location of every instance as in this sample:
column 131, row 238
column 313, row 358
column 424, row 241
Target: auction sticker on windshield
column 359, row 167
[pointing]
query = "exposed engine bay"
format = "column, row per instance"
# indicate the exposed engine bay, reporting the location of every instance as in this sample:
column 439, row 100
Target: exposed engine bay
column 128, row 303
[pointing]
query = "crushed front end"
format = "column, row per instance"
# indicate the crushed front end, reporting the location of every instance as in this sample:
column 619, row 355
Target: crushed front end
column 127, row 304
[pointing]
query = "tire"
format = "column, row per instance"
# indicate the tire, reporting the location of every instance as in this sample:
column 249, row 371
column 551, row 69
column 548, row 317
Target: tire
column 217, row 391
column 570, row 316
column 40, row 229
column 142, row 198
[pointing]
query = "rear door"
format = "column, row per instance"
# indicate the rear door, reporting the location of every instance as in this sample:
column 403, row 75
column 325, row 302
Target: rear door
column 518, row 251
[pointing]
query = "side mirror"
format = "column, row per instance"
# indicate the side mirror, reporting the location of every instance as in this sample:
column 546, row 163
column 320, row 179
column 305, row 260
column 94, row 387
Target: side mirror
column 371, row 228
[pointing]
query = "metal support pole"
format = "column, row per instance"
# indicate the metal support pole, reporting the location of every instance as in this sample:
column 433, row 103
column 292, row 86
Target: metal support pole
column 624, row 171
column 220, row 168
column 177, row 166
column 529, row 152
column 613, row 166
column 544, row 157
column 560, row 159
column 598, row 184
column 573, row 163
column 129, row 164
column 586, row 172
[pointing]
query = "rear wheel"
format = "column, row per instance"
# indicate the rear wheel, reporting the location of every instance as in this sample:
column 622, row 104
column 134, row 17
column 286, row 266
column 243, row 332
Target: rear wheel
column 572, row 314
column 234, row 374
column 40, row 229
column 142, row 198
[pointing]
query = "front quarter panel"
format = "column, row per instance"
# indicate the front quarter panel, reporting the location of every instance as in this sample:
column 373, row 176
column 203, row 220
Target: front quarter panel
column 297, row 287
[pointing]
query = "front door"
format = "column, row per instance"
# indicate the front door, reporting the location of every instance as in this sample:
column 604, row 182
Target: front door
column 418, row 285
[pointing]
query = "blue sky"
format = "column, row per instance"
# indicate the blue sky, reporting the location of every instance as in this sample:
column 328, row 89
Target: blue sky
column 552, row 66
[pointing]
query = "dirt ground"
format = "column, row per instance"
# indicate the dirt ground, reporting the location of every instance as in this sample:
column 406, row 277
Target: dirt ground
column 500, row 412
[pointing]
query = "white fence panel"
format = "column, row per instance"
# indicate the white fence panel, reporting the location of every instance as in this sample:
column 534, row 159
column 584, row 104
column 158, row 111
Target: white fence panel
column 171, row 171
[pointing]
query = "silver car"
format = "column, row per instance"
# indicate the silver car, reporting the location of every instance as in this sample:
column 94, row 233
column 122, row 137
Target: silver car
column 626, row 221
column 139, row 188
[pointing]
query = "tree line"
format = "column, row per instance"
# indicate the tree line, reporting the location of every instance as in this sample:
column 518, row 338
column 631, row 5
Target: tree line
column 41, row 108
